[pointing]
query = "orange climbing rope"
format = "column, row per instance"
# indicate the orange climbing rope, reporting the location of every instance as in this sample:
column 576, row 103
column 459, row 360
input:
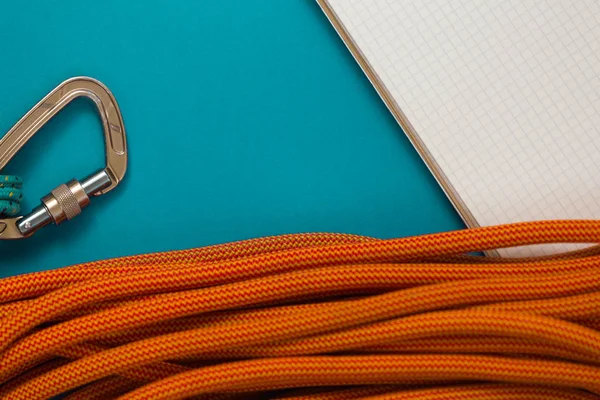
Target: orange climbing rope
column 314, row 316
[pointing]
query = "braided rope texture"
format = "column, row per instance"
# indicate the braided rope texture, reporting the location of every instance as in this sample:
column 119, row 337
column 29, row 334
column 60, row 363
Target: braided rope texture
column 314, row 316
column 10, row 195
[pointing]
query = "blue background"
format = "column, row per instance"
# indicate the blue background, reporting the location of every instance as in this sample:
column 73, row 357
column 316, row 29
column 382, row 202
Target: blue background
column 245, row 118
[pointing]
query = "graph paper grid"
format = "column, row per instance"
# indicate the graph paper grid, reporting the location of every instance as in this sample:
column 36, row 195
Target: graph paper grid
column 503, row 94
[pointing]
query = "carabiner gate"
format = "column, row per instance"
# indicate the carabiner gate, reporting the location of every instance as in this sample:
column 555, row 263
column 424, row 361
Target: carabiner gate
column 67, row 200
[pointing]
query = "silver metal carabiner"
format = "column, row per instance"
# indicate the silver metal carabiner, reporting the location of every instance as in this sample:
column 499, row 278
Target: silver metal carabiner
column 67, row 200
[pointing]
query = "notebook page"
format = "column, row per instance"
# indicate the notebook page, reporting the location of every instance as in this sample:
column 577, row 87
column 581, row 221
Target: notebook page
column 504, row 95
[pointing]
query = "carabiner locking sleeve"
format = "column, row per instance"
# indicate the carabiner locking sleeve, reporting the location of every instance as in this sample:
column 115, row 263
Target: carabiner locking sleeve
column 67, row 200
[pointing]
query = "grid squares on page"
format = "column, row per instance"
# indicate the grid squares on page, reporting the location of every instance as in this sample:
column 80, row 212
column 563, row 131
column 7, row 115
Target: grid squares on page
column 504, row 94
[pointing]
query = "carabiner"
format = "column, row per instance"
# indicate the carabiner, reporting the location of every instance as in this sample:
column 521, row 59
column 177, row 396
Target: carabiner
column 67, row 200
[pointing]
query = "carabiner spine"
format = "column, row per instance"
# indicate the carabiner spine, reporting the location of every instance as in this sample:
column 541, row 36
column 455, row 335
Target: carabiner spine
column 53, row 103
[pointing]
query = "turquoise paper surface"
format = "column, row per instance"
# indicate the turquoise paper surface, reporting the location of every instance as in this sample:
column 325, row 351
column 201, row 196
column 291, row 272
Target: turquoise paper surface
column 244, row 118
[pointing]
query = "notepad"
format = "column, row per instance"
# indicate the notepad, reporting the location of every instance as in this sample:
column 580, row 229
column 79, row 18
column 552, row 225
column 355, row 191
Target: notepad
column 500, row 97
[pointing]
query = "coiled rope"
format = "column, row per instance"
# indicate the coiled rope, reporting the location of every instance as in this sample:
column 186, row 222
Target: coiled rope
column 314, row 316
